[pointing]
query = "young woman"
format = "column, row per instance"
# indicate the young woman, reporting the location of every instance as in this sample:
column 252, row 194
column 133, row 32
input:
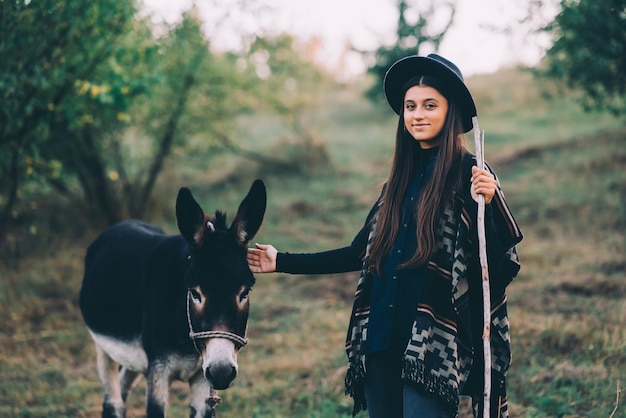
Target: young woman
column 414, row 340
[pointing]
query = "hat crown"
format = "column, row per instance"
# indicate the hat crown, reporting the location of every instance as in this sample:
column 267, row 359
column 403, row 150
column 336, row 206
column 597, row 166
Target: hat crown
column 451, row 66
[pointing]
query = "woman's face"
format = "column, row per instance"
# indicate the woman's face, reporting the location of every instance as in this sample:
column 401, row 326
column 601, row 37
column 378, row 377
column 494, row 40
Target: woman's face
column 425, row 111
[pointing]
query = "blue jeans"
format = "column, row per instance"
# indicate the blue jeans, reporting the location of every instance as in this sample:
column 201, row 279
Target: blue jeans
column 388, row 397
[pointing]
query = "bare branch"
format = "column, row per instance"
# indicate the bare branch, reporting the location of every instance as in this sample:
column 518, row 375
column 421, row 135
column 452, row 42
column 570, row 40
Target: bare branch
column 616, row 400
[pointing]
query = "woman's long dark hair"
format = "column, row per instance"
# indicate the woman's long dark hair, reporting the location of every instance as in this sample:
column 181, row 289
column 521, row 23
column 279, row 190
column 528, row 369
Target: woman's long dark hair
column 444, row 181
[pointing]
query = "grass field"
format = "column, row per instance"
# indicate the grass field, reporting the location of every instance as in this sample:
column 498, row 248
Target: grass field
column 563, row 173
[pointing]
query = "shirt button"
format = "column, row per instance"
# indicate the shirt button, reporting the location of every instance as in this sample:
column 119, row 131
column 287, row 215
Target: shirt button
column 405, row 225
column 390, row 306
column 395, row 277
column 399, row 251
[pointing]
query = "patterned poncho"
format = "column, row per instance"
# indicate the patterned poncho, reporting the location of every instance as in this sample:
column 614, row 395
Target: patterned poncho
column 444, row 355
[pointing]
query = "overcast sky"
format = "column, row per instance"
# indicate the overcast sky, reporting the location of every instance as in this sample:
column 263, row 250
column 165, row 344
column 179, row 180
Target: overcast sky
column 365, row 25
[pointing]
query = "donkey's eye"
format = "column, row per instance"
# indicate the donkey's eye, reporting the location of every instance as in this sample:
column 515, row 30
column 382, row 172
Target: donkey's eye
column 244, row 295
column 195, row 295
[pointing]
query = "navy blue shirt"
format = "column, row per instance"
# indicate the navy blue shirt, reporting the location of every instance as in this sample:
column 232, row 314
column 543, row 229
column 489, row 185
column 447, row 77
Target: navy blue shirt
column 396, row 292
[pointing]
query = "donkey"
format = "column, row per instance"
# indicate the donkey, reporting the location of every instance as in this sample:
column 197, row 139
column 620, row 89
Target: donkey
column 171, row 307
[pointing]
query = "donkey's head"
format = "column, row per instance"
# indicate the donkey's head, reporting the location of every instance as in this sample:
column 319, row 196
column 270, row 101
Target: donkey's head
column 219, row 280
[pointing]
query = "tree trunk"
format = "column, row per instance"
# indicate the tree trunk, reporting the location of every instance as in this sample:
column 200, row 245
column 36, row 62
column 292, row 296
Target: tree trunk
column 5, row 215
column 165, row 145
column 94, row 180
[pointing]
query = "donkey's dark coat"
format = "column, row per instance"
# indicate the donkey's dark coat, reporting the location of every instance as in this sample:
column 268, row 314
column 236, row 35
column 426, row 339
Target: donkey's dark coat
column 142, row 287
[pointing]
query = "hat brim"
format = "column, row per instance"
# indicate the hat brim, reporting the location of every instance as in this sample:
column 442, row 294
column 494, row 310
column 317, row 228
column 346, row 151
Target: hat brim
column 403, row 70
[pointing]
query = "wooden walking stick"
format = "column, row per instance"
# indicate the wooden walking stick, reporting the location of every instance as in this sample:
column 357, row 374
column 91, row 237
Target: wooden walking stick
column 479, row 140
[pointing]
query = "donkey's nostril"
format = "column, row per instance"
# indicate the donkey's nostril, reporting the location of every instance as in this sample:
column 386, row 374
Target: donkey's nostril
column 220, row 376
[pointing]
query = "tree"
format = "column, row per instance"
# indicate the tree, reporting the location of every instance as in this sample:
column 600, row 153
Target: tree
column 93, row 102
column 107, row 110
column 589, row 51
column 287, row 80
column 411, row 37
column 45, row 45
column 281, row 79
column 191, row 94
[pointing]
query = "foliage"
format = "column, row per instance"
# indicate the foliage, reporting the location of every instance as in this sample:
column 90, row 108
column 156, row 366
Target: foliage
column 186, row 103
column 288, row 84
column 104, row 145
column 589, row 51
column 95, row 104
column 411, row 37
column 45, row 46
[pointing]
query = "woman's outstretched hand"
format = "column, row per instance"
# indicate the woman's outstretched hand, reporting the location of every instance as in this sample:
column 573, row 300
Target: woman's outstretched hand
column 262, row 258
column 483, row 183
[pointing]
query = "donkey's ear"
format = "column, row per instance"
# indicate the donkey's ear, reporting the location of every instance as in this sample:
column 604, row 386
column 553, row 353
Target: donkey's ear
column 250, row 213
column 189, row 215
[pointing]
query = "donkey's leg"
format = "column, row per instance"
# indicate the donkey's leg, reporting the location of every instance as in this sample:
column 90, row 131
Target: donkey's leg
column 158, row 390
column 200, row 405
column 127, row 379
column 113, row 405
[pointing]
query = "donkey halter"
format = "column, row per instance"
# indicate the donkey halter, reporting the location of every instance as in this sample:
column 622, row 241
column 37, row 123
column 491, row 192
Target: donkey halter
column 237, row 339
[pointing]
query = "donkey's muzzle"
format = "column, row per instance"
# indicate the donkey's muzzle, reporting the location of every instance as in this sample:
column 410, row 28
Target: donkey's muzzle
column 220, row 375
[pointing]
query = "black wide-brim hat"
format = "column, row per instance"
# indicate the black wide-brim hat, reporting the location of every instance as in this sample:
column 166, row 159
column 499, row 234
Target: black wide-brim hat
column 435, row 66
